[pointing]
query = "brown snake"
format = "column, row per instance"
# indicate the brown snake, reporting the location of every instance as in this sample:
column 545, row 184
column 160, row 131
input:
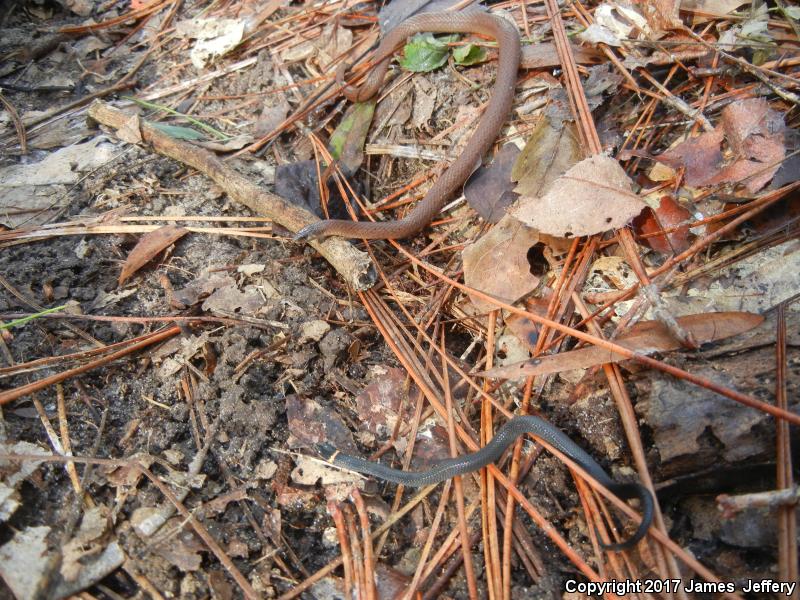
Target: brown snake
column 489, row 126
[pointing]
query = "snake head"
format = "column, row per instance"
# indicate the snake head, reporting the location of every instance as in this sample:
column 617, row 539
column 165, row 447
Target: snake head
column 325, row 450
column 309, row 232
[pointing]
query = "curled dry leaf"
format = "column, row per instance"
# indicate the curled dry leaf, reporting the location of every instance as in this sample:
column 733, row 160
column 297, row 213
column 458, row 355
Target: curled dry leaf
column 131, row 130
column 148, row 247
column 654, row 220
column 594, row 196
column 625, row 21
column 598, row 34
column 645, row 338
column 755, row 134
column 615, row 23
column 610, row 272
column 497, row 264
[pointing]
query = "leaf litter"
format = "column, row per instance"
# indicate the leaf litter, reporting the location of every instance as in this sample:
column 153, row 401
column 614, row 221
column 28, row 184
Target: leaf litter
column 299, row 359
column 593, row 196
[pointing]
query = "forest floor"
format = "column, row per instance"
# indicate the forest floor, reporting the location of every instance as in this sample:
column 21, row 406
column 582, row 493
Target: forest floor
column 624, row 265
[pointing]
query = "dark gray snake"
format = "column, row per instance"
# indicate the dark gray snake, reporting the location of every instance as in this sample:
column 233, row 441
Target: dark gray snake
column 507, row 434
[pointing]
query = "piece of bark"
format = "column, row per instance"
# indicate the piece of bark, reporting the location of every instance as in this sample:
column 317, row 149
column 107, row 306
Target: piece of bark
column 353, row 265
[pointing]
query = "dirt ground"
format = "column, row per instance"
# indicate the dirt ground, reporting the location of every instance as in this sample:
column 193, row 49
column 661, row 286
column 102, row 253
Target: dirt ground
column 197, row 476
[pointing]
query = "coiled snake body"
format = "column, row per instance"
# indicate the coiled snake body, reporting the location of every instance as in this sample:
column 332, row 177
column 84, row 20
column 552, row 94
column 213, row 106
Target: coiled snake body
column 489, row 126
column 505, row 436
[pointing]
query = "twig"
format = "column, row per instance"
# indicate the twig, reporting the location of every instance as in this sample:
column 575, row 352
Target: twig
column 24, row 390
column 18, row 125
column 366, row 540
column 356, row 269
column 344, row 545
column 466, row 549
column 787, row 515
column 782, row 498
column 426, row 548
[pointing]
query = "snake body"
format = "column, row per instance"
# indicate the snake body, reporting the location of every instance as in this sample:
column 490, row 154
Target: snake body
column 494, row 116
column 505, row 436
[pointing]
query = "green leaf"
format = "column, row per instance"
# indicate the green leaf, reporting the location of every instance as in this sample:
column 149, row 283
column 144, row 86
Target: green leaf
column 425, row 53
column 24, row 320
column 199, row 124
column 469, row 54
column 177, row 132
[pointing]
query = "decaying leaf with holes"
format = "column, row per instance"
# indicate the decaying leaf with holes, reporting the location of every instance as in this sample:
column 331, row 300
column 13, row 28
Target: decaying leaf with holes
column 593, row 196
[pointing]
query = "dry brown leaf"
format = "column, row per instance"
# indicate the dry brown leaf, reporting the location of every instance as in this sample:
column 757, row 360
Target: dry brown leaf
column 610, row 272
column 148, row 247
column 131, row 131
column 755, row 134
column 662, row 14
column 544, row 56
column 523, row 328
column 645, row 338
column 489, row 190
column 592, row 197
column 183, row 549
column 547, row 155
column 390, row 582
column 714, row 7
column 334, row 41
column 669, row 213
column 526, row 330
column 384, row 401
column 701, row 156
column 310, row 423
column 497, row 264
